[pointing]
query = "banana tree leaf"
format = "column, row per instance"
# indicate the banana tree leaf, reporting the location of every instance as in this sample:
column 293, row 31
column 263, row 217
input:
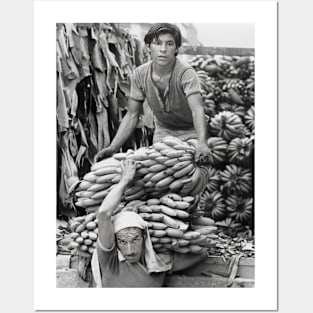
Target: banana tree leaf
column 100, row 89
column 80, row 54
column 80, row 156
column 62, row 40
column 106, row 51
column 98, row 60
column 103, row 129
column 93, row 129
column 62, row 116
column 83, row 137
column 113, row 111
column 72, row 142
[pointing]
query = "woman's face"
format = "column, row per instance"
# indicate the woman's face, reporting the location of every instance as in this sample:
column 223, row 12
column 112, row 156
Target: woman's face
column 163, row 49
column 130, row 243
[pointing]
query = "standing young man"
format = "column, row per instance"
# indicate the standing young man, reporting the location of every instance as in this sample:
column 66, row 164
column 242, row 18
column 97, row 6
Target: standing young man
column 172, row 91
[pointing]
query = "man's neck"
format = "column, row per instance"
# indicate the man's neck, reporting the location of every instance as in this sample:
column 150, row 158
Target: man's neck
column 163, row 70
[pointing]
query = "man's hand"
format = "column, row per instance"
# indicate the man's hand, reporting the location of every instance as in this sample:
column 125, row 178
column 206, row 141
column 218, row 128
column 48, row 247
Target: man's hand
column 104, row 153
column 202, row 153
column 128, row 170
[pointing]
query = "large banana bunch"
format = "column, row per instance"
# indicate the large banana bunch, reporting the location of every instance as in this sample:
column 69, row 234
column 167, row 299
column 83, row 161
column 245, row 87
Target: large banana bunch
column 211, row 204
column 214, row 180
column 168, row 221
column 218, row 149
column 226, row 125
column 240, row 208
column 166, row 166
column 239, row 151
column 84, row 234
column 235, row 108
column 249, row 119
column 236, row 179
column 234, row 83
column 209, row 106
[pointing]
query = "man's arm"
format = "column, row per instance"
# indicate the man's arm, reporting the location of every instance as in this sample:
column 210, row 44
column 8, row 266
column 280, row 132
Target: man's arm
column 196, row 106
column 110, row 203
column 125, row 129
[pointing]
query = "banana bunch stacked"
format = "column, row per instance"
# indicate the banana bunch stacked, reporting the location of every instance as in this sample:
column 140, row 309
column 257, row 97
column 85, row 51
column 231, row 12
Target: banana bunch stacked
column 249, row 119
column 168, row 221
column 171, row 226
column 166, row 166
column 84, row 234
column 236, row 180
column 212, row 205
column 234, row 108
column 240, row 151
column 239, row 208
column 218, row 150
column 227, row 86
column 226, row 125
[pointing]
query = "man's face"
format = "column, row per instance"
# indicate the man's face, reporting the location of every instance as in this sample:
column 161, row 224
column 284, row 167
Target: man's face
column 163, row 49
column 130, row 242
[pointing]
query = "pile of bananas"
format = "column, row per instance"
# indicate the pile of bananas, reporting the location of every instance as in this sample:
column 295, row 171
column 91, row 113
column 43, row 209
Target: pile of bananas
column 214, row 179
column 226, row 125
column 166, row 166
column 212, row 205
column 249, row 119
column 84, row 234
column 171, row 226
column 236, row 180
column 218, row 149
column 239, row 151
column 227, row 87
column 239, row 208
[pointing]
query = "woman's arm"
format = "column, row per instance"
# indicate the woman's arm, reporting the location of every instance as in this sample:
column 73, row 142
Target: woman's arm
column 110, row 203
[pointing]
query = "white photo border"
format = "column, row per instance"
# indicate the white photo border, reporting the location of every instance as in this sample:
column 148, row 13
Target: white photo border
column 263, row 14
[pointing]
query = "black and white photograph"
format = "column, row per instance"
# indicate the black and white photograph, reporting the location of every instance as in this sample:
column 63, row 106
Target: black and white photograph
column 180, row 170
column 159, row 153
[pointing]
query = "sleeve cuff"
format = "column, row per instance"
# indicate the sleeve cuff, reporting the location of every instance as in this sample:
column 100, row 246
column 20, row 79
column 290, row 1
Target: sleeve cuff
column 193, row 93
column 103, row 248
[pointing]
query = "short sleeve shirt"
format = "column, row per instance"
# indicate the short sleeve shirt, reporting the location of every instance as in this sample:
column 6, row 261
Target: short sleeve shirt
column 170, row 109
column 122, row 274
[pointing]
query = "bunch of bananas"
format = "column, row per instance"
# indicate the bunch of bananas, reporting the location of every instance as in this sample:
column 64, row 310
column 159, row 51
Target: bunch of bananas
column 239, row 151
column 84, row 234
column 214, row 179
column 226, row 125
column 236, row 180
column 233, row 83
column 235, row 108
column 239, row 208
column 249, row 119
column 209, row 106
column 227, row 84
column 211, row 204
column 218, row 149
column 168, row 221
column 166, row 166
